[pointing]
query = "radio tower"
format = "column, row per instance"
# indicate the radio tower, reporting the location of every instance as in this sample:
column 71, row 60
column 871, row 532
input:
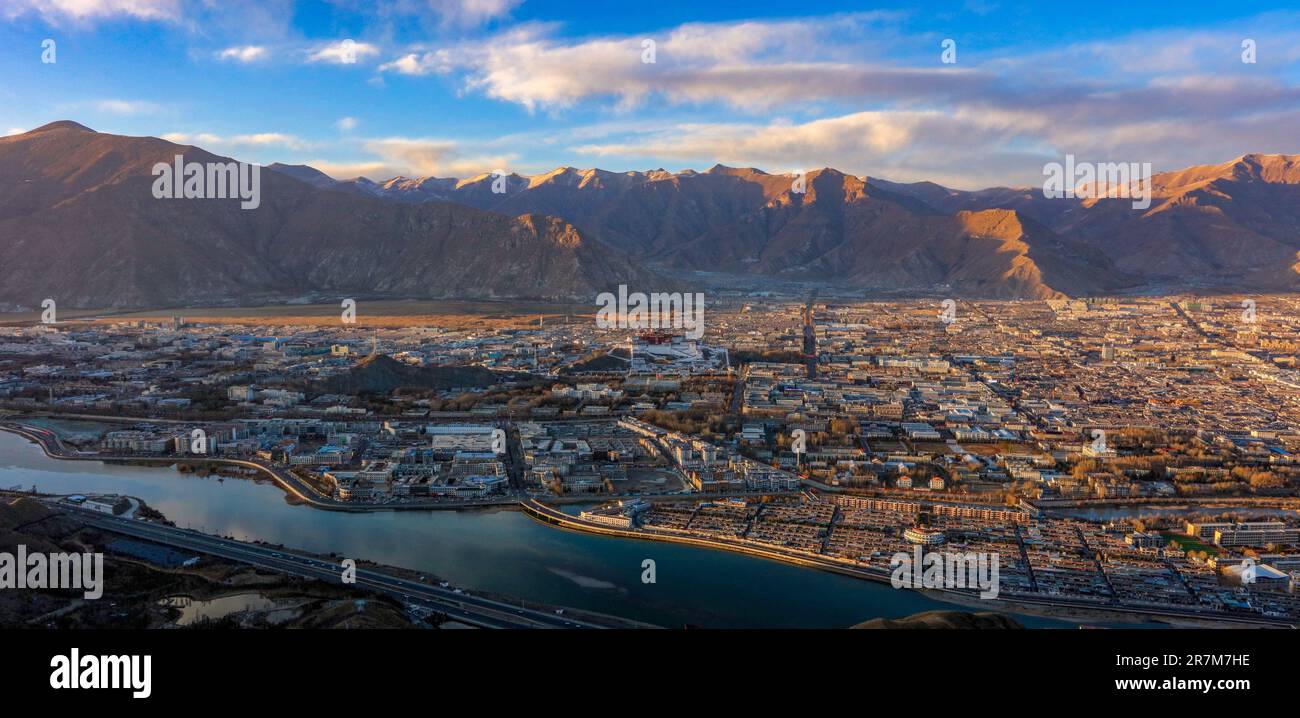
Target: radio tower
column 809, row 340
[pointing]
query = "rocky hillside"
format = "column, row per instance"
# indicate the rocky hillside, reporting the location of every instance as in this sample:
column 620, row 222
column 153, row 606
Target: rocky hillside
column 79, row 223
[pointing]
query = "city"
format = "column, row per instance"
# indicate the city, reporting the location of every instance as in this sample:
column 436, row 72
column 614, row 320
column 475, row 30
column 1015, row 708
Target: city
column 1055, row 447
column 374, row 352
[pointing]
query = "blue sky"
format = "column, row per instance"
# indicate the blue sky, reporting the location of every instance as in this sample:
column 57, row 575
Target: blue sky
column 460, row 87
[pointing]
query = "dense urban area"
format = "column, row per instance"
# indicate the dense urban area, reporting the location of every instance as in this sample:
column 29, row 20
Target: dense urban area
column 834, row 433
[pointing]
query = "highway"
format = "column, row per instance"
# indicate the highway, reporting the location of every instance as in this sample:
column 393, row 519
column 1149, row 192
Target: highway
column 463, row 607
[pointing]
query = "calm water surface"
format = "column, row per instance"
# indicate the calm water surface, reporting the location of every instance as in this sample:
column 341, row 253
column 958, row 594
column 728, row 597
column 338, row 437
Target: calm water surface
column 499, row 551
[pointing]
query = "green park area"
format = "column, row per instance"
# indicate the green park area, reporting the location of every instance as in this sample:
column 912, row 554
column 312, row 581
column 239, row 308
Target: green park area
column 1190, row 543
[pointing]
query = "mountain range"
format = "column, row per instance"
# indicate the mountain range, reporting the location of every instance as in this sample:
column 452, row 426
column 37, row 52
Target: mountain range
column 78, row 222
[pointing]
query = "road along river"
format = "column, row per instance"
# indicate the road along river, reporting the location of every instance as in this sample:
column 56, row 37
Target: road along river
column 500, row 551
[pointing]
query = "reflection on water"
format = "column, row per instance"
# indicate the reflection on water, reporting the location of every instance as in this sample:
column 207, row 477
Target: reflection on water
column 500, row 551
column 194, row 611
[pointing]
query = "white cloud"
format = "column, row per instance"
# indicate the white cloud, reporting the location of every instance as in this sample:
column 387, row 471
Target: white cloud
column 14, row 131
column 113, row 106
column 972, row 146
column 1174, row 98
column 347, row 170
column 460, row 13
column 426, row 157
column 967, row 151
column 220, row 143
column 380, row 158
column 748, row 64
column 435, row 62
column 473, row 11
column 269, row 139
column 57, row 11
column 851, row 91
column 202, row 139
column 246, row 53
column 342, row 52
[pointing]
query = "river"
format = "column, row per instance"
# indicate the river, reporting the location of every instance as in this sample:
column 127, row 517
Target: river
column 499, row 551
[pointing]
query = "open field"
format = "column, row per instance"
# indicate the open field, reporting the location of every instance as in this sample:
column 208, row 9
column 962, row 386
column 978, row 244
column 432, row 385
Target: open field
column 32, row 316
column 1189, row 543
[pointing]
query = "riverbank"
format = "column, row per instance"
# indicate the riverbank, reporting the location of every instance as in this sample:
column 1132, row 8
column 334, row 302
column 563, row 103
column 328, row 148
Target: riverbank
column 307, row 494
column 508, row 553
column 300, row 490
column 494, row 551
column 1055, row 608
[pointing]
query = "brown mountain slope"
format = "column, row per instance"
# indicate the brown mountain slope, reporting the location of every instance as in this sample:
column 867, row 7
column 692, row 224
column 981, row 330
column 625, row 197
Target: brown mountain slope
column 79, row 223
column 1029, row 201
column 840, row 228
column 1230, row 226
column 637, row 212
column 647, row 213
